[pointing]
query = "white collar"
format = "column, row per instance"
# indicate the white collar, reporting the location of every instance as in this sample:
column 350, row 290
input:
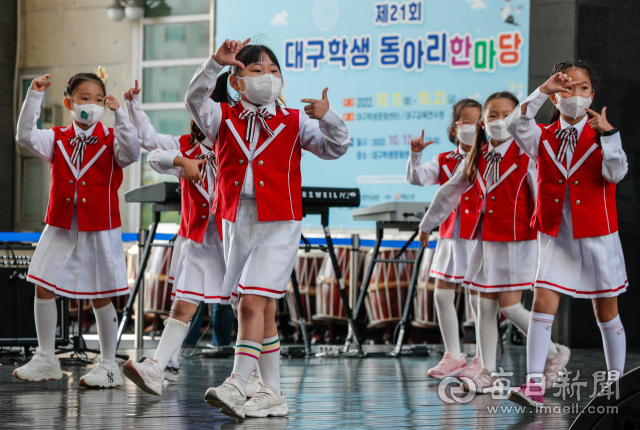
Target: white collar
column 204, row 148
column 460, row 150
column 502, row 148
column 579, row 126
column 88, row 132
column 270, row 108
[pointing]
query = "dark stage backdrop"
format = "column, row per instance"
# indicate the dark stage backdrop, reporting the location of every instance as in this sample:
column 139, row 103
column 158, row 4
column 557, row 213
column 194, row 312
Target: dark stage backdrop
column 606, row 34
column 8, row 35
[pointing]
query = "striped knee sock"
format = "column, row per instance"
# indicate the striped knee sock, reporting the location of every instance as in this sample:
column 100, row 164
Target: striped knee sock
column 247, row 353
column 269, row 363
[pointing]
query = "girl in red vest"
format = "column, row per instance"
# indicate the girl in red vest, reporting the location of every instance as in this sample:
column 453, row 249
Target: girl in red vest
column 454, row 244
column 503, row 261
column 80, row 254
column 580, row 161
column 258, row 144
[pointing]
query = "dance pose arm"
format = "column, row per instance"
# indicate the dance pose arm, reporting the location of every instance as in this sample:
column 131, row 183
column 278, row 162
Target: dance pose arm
column 447, row 198
column 614, row 162
column 205, row 112
column 146, row 132
column 418, row 173
column 522, row 125
column 126, row 144
column 40, row 142
column 327, row 138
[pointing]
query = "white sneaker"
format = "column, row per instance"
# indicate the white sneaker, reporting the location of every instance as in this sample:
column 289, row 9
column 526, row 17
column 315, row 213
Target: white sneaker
column 171, row 374
column 146, row 375
column 230, row 397
column 105, row 374
column 266, row 403
column 553, row 366
column 40, row 368
column 253, row 385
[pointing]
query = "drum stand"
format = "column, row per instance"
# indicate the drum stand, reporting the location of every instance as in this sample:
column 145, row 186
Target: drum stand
column 145, row 243
column 380, row 227
column 353, row 331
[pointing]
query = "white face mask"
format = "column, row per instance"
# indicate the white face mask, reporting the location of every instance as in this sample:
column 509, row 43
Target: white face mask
column 88, row 114
column 573, row 107
column 466, row 134
column 262, row 90
column 497, row 130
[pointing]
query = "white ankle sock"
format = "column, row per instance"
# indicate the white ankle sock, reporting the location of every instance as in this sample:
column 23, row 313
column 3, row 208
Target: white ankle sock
column 473, row 304
column 46, row 316
column 448, row 320
column 247, row 354
column 538, row 340
column 615, row 346
column 520, row 317
column 172, row 337
column 176, row 355
column 107, row 323
column 488, row 332
column 269, row 363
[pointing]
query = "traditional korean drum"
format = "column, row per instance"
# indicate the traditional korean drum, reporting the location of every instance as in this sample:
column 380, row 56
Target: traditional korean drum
column 157, row 285
column 307, row 268
column 424, row 304
column 387, row 292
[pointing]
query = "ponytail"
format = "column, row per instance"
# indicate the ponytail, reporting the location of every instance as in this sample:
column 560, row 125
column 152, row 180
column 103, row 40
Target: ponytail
column 474, row 155
column 197, row 135
column 221, row 93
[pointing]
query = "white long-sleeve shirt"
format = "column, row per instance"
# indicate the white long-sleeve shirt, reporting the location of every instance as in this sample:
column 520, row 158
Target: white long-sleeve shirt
column 427, row 173
column 328, row 138
column 146, row 132
column 126, row 144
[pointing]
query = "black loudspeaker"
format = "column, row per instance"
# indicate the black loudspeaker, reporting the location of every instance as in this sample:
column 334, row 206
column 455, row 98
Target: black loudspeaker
column 17, row 324
column 621, row 413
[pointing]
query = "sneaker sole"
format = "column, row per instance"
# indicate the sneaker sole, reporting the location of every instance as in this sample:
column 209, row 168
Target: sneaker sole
column 133, row 375
column 82, row 383
column 276, row 411
column 15, row 375
column 212, row 399
column 169, row 379
column 453, row 373
column 522, row 400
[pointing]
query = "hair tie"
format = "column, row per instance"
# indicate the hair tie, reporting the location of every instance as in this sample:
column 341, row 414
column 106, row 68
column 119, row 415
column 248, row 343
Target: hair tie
column 100, row 73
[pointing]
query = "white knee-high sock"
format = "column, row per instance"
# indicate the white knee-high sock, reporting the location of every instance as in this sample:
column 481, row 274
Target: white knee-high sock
column 520, row 317
column 176, row 355
column 473, row 304
column 488, row 332
column 448, row 320
column 172, row 337
column 244, row 361
column 46, row 316
column 107, row 322
column 538, row 340
column 269, row 363
column 615, row 346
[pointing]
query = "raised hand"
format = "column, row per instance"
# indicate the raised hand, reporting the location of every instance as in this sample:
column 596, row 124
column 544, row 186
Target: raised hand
column 558, row 83
column 190, row 168
column 111, row 103
column 316, row 109
column 418, row 143
column 226, row 53
column 41, row 84
column 599, row 121
column 128, row 95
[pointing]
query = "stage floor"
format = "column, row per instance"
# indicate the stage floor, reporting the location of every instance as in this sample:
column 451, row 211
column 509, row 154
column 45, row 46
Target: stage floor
column 374, row 392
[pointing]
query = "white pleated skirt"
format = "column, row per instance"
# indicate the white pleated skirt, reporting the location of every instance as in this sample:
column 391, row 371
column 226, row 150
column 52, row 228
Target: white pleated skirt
column 176, row 252
column 262, row 252
column 451, row 259
column 496, row 267
column 80, row 264
column 588, row 268
column 201, row 268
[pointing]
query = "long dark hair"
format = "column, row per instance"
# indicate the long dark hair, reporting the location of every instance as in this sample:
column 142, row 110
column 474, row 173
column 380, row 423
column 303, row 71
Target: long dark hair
column 457, row 113
column 79, row 78
column 196, row 134
column 481, row 136
column 563, row 66
column 249, row 54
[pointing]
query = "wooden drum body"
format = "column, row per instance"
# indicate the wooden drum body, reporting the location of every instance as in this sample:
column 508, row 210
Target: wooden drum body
column 307, row 269
column 157, row 285
column 424, row 304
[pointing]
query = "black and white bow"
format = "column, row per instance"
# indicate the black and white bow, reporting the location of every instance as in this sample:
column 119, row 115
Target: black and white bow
column 493, row 165
column 251, row 115
column 457, row 156
column 569, row 136
column 211, row 160
column 79, row 144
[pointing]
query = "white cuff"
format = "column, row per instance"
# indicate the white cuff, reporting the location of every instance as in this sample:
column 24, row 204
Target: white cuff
column 212, row 68
column 166, row 162
column 536, row 99
column 611, row 143
column 332, row 117
column 416, row 156
column 34, row 97
column 119, row 116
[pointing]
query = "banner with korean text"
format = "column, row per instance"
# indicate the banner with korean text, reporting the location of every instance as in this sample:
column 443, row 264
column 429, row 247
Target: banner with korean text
column 393, row 68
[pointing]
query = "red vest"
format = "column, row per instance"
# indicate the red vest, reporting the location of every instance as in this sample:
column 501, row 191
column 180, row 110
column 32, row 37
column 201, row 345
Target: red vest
column 510, row 204
column 276, row 166
column 97, row 183
column 592, row 197
column 467, row 201
column 196, row 206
